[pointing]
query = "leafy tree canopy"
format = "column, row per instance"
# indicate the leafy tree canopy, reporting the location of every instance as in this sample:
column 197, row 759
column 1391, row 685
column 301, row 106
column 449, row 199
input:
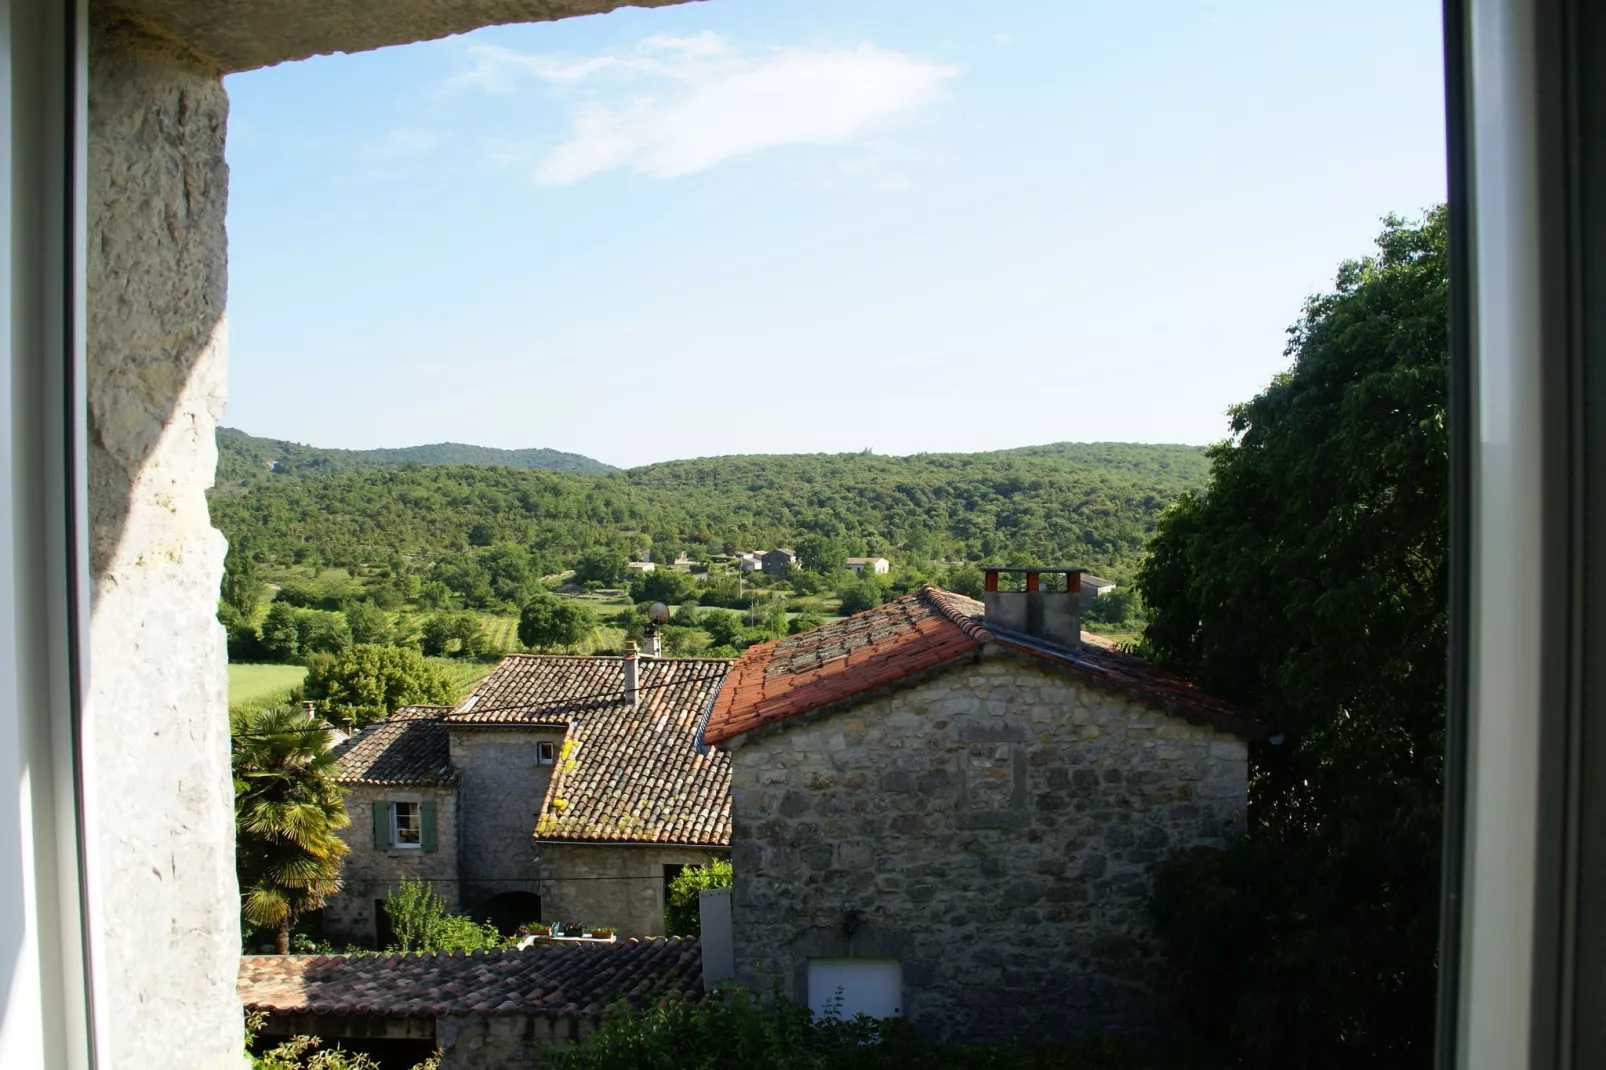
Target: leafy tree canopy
column 548, row 621
column 367, row 682
column 1307, row 581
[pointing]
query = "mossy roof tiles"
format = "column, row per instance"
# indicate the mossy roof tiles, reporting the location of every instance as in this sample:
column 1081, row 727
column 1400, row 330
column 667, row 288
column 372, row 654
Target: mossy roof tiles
column 559, row 980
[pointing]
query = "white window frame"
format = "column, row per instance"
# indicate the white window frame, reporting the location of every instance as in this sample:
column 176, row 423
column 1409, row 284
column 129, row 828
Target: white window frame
column 546, row 753
column 396, row 843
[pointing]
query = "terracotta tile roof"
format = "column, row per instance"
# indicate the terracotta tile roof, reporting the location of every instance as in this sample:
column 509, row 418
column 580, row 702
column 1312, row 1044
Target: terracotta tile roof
column 626, row 774
column 555, row 980
column 408, row 747
column 854, row 658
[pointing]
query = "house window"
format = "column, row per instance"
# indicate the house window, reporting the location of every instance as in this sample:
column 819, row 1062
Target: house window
column 546, row 753
column 405, row 827
column 842, row 988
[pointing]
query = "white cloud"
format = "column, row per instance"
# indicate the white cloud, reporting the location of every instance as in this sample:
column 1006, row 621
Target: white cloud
column 678, row 105
column 1004, row 37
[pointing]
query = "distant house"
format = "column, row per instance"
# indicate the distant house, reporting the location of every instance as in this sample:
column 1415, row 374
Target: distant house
column 878, row 565
column 779, row 562
column 641, row 566
column 1095, row 587
column 562, row 789
column 496, row 1008
column 750, row 563
column 952, row 811
column 682, row 558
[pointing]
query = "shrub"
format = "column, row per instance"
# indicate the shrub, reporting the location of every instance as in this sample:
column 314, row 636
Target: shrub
column 682, row 915
column 733, row 1030
column 419, row 919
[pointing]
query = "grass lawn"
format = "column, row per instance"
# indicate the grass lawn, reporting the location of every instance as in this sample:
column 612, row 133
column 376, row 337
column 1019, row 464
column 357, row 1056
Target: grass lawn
column 262, row 683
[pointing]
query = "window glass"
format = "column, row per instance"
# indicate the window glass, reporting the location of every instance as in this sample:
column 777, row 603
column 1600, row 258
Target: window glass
column 546, row 753
column 404, row 827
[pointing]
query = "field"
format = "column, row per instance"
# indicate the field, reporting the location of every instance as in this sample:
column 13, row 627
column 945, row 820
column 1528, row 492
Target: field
column 262, row 683
column 463, row 673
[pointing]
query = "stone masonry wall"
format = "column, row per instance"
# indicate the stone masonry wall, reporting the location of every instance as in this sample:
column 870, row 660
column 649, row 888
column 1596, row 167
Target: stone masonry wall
column 996, row 829
column 371, row 873
column 505, row 1042
column 500, row 791
column 163, row 896
column 623, row 887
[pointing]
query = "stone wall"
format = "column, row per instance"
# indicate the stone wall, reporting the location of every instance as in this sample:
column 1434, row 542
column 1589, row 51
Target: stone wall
column 501, row 788
column 996, row 830
column 622, row 886
column 161, row 868
column 371, row 873
column 505, row 1042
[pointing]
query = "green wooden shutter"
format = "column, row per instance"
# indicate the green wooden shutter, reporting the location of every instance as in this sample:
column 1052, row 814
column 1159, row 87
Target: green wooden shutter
column 426, row 819
column 381, row 826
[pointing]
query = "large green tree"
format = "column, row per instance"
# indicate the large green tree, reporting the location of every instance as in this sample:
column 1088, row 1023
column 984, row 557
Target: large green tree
column 369, row 682
column 287, row 808
column 242, row 587
column 548, row 621
column 1307, row 581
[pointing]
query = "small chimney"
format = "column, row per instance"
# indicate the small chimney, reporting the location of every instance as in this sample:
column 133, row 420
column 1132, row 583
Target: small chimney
column 657, row 617
column 1054, row 616
column 632, row 679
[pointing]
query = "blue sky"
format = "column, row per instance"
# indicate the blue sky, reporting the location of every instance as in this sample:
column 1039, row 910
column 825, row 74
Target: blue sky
column 769, row 226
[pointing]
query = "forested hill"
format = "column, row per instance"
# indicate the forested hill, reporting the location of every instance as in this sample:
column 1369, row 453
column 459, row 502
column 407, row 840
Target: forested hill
column 245, row 458
column 1092, row 504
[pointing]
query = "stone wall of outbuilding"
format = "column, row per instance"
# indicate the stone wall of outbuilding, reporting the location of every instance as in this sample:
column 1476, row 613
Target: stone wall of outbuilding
column 371, row 873
column 617, row 886
column 996, row 830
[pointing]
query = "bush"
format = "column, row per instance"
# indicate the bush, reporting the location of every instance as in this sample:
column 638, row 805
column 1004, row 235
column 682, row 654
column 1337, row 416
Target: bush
column 419, row 919
column 682, row 915
column 804, row 622
column 860, row 595
column 733, row 1030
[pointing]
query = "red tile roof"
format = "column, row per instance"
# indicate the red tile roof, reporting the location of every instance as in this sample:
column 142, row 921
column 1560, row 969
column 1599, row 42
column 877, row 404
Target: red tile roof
column 577, row 979
column 626, row 774
column 858, row 657
column 408, row 747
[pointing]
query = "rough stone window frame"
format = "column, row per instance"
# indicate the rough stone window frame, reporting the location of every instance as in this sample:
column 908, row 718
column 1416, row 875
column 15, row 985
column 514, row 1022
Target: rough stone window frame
column 69, row 918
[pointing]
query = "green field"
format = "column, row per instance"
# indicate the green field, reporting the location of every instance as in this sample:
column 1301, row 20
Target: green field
column 262, row 683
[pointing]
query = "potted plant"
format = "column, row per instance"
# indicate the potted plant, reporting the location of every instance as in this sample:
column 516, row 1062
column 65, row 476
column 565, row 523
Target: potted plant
column 574, row 928
column 602, row 933
column 535, row 928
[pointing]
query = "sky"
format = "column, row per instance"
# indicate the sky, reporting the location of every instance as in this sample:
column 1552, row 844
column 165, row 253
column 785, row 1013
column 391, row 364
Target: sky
column 766, row 226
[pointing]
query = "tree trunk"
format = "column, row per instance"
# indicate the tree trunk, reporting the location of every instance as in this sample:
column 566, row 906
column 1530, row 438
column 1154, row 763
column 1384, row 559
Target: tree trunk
column 281, row 939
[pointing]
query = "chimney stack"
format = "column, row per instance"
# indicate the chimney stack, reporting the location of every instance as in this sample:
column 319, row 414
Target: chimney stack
column 1054, row 616
column 654, row 642
column 632, row 680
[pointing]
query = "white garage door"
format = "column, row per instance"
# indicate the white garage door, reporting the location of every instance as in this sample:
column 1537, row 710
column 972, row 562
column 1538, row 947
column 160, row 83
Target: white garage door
column 847, row 987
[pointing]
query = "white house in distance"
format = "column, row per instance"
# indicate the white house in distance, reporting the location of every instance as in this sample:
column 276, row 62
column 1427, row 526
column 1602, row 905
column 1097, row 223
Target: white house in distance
column 879, row 565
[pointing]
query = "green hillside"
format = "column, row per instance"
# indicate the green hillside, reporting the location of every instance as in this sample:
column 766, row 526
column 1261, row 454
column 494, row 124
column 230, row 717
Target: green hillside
column 244, row 458
column 1092, row 504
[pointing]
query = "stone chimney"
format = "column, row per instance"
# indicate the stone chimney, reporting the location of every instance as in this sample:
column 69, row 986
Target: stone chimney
column 1053, row 616
column 632, row 666
column 653, row 642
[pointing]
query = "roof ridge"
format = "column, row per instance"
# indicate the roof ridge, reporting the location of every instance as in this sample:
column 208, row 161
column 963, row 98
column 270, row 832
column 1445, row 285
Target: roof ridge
column 938, row 599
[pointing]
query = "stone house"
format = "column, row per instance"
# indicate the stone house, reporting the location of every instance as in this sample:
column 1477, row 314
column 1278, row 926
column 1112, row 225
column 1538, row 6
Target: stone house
column 952, row 811
column 1095, row 587
column 779, row 562
column 562, row 789
column 879, row 565
column 496, row 1010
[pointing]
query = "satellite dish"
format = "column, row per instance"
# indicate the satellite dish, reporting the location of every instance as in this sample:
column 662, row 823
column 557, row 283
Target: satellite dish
column 658, row 613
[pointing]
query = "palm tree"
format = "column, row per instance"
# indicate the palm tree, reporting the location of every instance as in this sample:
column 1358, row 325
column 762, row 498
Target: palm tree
column 287, row 807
